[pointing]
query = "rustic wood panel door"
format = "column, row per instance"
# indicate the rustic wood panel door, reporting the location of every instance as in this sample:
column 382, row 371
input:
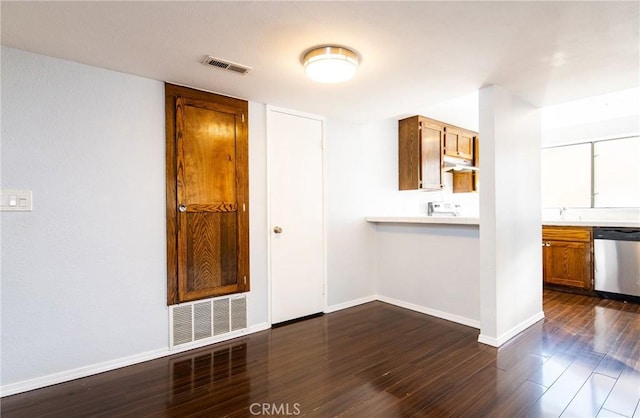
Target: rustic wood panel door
column 208, row 240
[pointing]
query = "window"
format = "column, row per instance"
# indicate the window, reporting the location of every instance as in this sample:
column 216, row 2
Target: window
column 597, row 174
column 566, row 176
column 616, row 180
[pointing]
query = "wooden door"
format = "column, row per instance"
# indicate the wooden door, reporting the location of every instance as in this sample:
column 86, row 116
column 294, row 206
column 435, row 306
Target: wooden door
column 207, row 195
column 296, row 213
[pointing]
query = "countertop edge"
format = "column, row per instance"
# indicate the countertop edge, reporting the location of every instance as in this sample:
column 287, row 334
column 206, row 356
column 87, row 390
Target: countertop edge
column 593, row 223
column 433, row 220
column 475, row 221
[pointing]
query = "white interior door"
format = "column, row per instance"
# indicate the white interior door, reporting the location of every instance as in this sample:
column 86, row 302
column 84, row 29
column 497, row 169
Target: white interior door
column 296, row 214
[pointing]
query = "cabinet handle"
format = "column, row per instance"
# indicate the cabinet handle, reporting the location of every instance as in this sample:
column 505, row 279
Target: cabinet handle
column 548, row 244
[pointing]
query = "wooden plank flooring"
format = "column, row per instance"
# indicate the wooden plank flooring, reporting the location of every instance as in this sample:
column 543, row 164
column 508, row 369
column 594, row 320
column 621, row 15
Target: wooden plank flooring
column 378, row 360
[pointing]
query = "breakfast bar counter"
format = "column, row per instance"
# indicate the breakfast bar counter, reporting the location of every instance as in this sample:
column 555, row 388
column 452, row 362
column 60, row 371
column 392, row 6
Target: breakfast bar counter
column 443, row 220
column 430, row 264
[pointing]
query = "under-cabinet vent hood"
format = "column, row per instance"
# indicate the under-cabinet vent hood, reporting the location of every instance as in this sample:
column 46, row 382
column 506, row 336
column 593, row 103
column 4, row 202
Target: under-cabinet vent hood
column 459, row 165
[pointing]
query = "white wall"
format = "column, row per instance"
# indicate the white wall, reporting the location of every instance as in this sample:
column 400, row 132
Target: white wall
column 257, row 308
column 387, row 199
column 510, row 220
column 352, row 156
column 84, row 274
column 612, row 115
column 418, row 266
column 433, row 269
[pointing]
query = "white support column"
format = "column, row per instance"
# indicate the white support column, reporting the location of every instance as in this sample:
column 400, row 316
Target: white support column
column 510, row 216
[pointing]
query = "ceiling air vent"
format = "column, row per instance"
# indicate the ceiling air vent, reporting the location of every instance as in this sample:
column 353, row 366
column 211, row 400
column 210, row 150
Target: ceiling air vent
column 226, row 65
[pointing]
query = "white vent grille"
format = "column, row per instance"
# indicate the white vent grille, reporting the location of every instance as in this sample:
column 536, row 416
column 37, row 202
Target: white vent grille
column 182, row 324
column 205, row 319
column 221, row 314
column 202, row 320
column 226, row 65
column 238, row 314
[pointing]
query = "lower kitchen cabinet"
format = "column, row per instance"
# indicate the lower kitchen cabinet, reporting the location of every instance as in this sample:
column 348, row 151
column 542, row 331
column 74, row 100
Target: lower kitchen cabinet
column 568, row 256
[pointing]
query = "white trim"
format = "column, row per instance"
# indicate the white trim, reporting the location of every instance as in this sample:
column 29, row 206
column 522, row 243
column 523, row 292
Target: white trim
column 268, row 203
column 269, row 109
column 31, row 384
column 432, row 312
column 350, row 304
column 67, row 375
column 497, row 342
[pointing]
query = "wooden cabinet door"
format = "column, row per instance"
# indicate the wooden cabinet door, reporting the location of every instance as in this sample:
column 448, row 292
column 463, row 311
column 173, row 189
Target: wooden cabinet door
column 409, row 165
column 430, row 155
column 458, row 143
column 567, row 263
column 468, row 182
column 465, row 145
column 420, row 154
column 451, row 137
column 207, row 198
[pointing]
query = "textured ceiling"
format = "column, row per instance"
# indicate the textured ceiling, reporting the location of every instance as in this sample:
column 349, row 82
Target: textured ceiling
column 413, row 54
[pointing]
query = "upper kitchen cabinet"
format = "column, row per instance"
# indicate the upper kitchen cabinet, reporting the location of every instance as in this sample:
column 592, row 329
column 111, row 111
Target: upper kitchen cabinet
column 466, row 182
column 458, row 143
column 420, row 143
column 422, row 146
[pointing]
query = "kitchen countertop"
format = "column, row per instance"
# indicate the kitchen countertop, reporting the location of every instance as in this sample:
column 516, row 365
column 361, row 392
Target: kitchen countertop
column 437, row 220
column 463, row 220
column 602, row 222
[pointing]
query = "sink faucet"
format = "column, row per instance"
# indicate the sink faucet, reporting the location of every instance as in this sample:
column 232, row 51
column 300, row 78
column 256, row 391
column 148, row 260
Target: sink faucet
column 562, row 212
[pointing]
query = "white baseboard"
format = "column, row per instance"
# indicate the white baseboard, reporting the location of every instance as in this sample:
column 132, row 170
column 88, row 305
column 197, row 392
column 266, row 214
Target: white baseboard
column 497, row 342
column 350, row 304
column 432, row 312
column 67, row 375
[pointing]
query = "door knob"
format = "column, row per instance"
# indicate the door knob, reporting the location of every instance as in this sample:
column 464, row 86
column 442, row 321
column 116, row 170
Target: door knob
column 182, row 208
column 277, row 230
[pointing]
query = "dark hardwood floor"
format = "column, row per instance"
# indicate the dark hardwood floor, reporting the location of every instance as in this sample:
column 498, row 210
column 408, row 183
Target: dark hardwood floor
column 378, row 360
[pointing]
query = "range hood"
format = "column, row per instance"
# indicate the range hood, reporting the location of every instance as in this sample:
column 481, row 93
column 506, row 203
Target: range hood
column 458, row 165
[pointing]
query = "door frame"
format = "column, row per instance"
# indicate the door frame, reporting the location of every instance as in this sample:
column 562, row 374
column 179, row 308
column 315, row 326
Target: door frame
column 269, row 150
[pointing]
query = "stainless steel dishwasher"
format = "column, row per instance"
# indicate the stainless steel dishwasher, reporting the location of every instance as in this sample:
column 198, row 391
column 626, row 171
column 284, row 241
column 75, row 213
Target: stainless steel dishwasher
column 617, row 260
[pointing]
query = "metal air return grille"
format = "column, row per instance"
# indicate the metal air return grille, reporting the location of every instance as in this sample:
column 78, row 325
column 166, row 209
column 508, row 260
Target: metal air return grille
column 226, row 65
column 221, row 316
column 238, row 313
column 205, row 319
column 202, row 321
column 182, row 324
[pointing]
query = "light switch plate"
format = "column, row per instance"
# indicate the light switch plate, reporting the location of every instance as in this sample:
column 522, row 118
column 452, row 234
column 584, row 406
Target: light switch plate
column 16, row 200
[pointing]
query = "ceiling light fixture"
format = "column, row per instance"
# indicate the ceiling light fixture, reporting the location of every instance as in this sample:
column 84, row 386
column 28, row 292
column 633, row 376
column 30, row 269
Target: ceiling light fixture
column 330, row 64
